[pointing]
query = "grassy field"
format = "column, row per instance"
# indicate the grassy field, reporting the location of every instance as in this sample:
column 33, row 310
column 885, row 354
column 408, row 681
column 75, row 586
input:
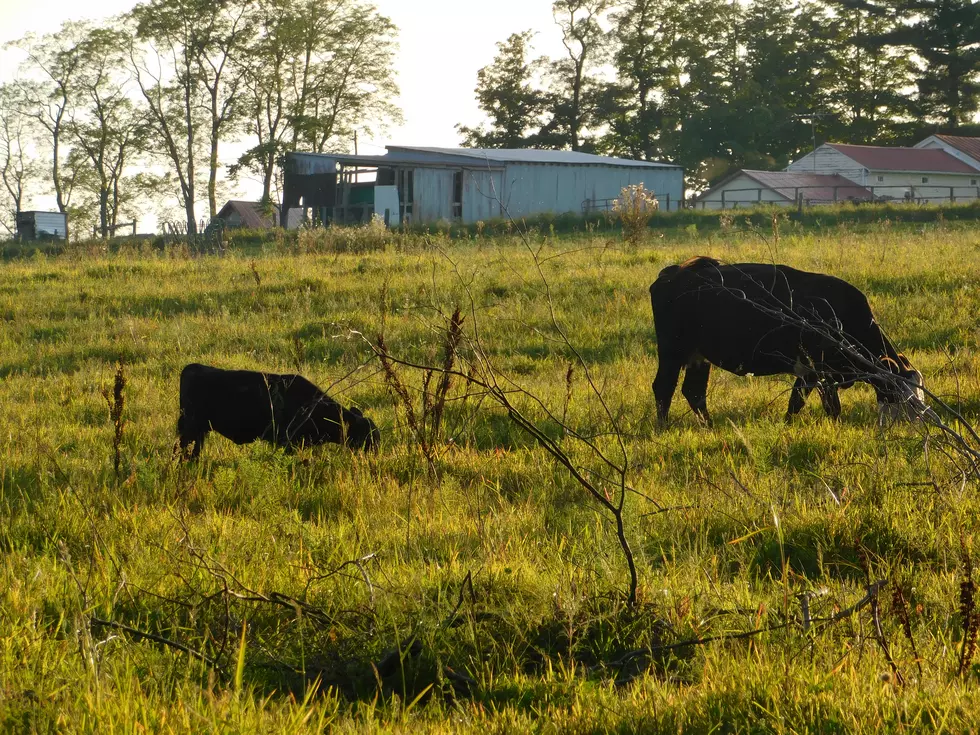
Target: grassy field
column 479, row 588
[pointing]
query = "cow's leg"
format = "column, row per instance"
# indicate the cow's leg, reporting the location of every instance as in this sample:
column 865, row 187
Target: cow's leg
column 663, row 387
column 801, row 389
column 830, row 398
column 695, row 389
column 190, row 431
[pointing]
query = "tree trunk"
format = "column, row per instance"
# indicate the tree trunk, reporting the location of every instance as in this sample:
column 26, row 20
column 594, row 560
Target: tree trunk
column 269, row 168
column 104, row 210
column 189, row 187
column 213, row 174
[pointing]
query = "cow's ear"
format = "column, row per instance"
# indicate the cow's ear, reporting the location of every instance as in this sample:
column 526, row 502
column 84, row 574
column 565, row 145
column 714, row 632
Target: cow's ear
column 356, row 411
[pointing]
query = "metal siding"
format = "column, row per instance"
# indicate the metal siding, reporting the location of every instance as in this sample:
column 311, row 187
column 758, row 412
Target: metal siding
column 496, row 156
column 51, row 222
column 433, row 190
column 533, row 189
column 481, row 195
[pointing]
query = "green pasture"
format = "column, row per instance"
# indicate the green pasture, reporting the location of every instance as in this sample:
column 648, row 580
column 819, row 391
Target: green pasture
column 479, row 589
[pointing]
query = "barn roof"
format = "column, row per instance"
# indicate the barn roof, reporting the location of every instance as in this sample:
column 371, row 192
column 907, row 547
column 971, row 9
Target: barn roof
column 815, row 187
column 252, row 214
column 881, row 158
column 964, row 144
column 531, row 155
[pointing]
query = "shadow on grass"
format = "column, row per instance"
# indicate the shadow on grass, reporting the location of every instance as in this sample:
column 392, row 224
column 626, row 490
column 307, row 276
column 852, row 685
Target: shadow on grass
column 71, row 360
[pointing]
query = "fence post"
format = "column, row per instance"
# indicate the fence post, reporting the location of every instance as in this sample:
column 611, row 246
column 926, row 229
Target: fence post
column 952, row 195
column 722, row 201
column 668, row 201
column 799, row 201
column 835, row 194
column 758, row 194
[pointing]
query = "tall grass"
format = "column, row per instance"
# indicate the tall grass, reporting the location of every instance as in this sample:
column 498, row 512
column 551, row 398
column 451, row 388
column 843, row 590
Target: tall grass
column 304, row 603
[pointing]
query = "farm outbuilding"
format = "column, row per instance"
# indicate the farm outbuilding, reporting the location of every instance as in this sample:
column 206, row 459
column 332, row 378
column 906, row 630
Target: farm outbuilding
column 747, row 188
column 425, row 185
column 42, row 225
column 963, row 147
column 891, row 173
column 254, row 215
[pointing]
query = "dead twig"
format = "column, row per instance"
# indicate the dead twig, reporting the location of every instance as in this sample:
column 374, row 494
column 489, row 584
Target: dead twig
column 144, row 635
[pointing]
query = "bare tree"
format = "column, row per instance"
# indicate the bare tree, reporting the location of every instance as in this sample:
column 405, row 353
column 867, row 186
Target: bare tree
column 317, row 72
column 105, row 125
column 52, row 69
column 164, row 61
column 222, row 36
column 19, row 168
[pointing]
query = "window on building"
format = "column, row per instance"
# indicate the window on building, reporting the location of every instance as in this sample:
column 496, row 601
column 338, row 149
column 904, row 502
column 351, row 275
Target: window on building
column 880, row 179
column 457, row 194
column 973, row 182
column 925, row 179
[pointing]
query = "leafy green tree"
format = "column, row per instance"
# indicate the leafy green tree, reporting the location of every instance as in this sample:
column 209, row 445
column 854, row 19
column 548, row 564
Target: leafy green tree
column 164, row 61
column 222, row 35
column 865, row 84
column 943, row 37
column 317, row 74
column 107, row 128
column 650, row 56
column 19, row 169
column 709, row 107
column 506, row 93
column 49, row 88
column 573, row 88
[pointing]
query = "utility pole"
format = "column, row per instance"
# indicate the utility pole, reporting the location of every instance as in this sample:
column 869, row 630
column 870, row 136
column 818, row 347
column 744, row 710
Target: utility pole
column 812, row 117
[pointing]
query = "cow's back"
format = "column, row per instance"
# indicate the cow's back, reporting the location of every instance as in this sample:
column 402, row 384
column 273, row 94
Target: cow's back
column 236, row 403
column 750, row 317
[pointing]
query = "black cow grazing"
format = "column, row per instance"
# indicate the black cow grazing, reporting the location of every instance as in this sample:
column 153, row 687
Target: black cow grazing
column 753, row 318
column 245, row 405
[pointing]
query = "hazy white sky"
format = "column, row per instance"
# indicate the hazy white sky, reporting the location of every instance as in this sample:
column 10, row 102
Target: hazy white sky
column 442, row 45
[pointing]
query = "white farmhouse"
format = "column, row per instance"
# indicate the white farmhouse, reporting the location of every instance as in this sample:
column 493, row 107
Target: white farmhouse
column 921, row 174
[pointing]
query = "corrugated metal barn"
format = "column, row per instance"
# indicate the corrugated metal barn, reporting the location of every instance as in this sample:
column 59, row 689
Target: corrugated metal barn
column 426, row 185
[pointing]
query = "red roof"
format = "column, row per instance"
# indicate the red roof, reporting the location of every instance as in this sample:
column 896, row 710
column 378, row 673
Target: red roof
column 969, row 146
column 881, row 158
column 252, row 214
column 814, row 187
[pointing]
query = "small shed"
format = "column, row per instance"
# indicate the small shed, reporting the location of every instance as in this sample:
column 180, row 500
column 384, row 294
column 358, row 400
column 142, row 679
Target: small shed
column 42, row 225
column 238, row 213
column 748, row 188
column 426, row 185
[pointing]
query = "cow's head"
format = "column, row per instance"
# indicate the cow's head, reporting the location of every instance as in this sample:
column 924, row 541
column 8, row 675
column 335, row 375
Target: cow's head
column 904, row 397
column 362, row 433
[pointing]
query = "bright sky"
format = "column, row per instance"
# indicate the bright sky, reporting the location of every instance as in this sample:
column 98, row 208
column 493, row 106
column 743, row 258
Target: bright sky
column 442, row 45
